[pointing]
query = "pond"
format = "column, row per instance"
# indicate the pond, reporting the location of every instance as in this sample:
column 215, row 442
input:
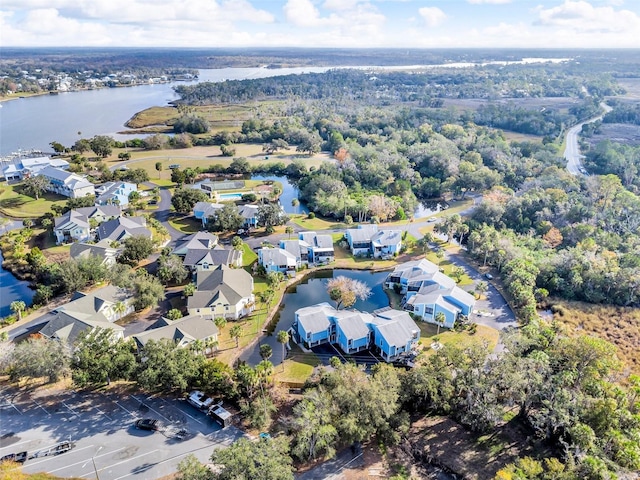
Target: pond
column 289, row 192
column 312, row 291
column 11, row 288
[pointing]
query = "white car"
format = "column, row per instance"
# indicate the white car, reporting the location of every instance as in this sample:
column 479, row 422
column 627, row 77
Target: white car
column 201, row 401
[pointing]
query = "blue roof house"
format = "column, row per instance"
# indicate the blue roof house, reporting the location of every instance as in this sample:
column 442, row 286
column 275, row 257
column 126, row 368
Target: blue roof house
column 367, row 240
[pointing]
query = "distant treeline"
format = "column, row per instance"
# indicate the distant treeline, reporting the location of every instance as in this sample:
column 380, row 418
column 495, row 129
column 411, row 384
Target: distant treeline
column 624, row 113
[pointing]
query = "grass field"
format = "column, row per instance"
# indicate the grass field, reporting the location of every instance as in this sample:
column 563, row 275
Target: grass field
column 186, row 224
column 618, row 325
column 15, row 204
column 297, row 367
column 428, row 333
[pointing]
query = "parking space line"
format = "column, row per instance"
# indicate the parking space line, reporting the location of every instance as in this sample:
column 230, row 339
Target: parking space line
column 85, row 461
column 151, row 408
column 11, row 404
column 70, row 409
column 124, row 461
column 51, row 457
column 182, row 411
column 338, row 352
column 40, row 406
column 130, row 413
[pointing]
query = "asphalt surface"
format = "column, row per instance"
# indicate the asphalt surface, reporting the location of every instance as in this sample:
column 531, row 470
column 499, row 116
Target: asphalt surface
column 572, row 150
column 107, row 445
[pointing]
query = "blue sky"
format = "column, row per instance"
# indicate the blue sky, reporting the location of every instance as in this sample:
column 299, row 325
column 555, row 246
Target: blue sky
column 322, row 23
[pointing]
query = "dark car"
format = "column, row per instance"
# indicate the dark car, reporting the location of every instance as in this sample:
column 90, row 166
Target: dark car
column 148, row 424
column 15, row 457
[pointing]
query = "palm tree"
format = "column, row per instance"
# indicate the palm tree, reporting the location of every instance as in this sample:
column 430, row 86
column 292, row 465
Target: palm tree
column 220, row 322
column 288, row 230
column 440, row 320
column 18, row 307
column 211, row 344
column 118, row 309
column 295, row 203
column 481, row 288
column 283, row 339
column 236, row 332
column 197, row 346
column 266, row 351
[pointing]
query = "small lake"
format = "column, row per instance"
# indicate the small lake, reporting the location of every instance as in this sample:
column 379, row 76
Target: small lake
column 11, row 288
column 289, row 192
column 312, row 291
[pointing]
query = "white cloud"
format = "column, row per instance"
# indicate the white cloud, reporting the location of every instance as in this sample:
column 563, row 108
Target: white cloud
column 493, row 2
column 580, row 16
column 303, row 13
column 432, row 16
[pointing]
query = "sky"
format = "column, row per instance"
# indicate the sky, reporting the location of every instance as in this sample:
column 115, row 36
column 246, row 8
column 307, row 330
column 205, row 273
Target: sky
column 322, row 23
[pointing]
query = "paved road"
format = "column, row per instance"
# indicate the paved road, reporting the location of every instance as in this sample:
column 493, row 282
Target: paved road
column 101, row 425
column 163, row 213
column 572, row 150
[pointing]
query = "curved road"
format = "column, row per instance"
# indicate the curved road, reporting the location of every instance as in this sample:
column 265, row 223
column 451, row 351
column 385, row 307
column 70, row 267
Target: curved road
column 572, row 150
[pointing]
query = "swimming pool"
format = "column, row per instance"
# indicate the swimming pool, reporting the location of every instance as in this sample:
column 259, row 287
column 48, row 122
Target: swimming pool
column 230, row 197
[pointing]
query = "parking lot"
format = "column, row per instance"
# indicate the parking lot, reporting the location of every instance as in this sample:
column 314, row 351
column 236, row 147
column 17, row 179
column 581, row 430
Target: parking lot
column 107, row 445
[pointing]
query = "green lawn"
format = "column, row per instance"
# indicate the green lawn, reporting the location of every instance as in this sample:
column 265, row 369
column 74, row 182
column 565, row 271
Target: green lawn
column 428, row 332
column 248, row 255
column 186, row 224
column 297, row 367
column 14, row 204
column 316, row 223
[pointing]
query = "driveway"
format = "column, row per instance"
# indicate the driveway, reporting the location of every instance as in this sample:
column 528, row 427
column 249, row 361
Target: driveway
column 163, row 213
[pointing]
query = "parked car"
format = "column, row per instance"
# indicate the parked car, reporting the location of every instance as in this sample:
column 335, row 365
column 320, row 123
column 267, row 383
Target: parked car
column 148, row 424
column 201, row 401
column 488, row 276
column 20, row 457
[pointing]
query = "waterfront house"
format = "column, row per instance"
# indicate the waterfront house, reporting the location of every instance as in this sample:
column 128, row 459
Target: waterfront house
column 183, row 331
column 22, row 168
column 222, row 292
column 412, row 276
column 114, row 193
column 368, row 240
column 76, row 224
column 249, row 214
column 298, row 248
column 277, row 260
column 319, row 247
column 66, row 183
column 391, row 333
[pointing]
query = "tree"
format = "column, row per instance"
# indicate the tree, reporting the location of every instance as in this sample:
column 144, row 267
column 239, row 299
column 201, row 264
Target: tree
column 288, row 230
column 239, row 165
column 184, row 199
column 266, row 459
column 220, row 322
column 98, row 358
column 440, row 320
column 295, row 203
column 135, row 175
column 147, row 290
column 18, row 306
column 189, row 290
column 167, row 367
column 159, row 168
column 174, row 314
column 236, row 333
column 345, row 291
column 311, row 423
column 171, row 269
column 274, row 278
column 136, row 248
column 102, row 145
column 481, row 288
column 36, row 185
column 271, row 215
column 39, row 357
column 57, row 147
column 81, row 146
column 283, row 339
column 226, row 219
column 266, row 351
column 237, row 243
column 457, row 273
column 190, row 468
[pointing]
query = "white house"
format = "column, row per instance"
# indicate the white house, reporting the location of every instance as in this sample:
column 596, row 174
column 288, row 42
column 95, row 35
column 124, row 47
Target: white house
column 222, row 292
column 75, row 225
column 277, row 260
column 66, row 183
column 26, row 167
column 114, row 193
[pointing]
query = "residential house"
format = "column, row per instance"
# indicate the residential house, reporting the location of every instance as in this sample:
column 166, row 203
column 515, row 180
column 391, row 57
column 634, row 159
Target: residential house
column 102, row 250
column 207, row 259
column 76, row 224
column 114, row 193
column 203, row 210
column 319, row 247
column 183, row 331
column 121, row 228
column 66, row 183
column 277, row 260
column 86, row 311
column 196, row 241
column 427, row 292
column 249, row 213
column 368, row 240
column 392, row 333
column 26, row 167
column 222, row 292
column 297, row 248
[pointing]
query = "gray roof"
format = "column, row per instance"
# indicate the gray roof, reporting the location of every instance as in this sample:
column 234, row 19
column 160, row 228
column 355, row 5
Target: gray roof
column 190, row 328
column 70, row 179
column 248, row 211
column 107, row 190
column 363, row 233
column 215, row 256
column 316, row 241
column 100, row 249
column 81, row 216
column 221, row 285
column 122, row 228
column 67, row 328
column 433, row 295
column 197, row 241
column 315, row 318
column 396, row 327
column 294, row 247
column 353, row 324
column 276, row 256
column 387, row 237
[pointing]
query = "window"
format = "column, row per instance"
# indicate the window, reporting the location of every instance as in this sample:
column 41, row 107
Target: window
column 428, row 310
column 350, row 342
